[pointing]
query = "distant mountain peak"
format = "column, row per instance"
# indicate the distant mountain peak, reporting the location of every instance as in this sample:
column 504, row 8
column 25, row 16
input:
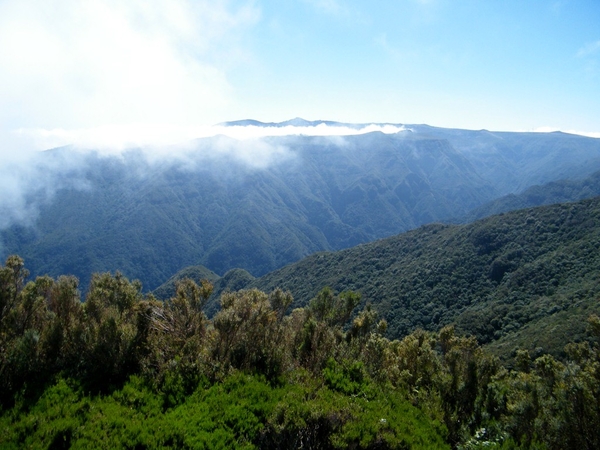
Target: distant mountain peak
column 244, row 123
column 295, row 122
column 300, row 122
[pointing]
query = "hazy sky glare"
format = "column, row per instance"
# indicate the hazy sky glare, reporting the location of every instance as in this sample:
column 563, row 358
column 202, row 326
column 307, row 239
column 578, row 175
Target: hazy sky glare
column 70, row 67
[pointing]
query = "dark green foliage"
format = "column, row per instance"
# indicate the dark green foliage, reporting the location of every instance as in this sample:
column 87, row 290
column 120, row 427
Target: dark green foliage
column 250, row 334
column 125, row 371
column 234, row 280
column 333, row 309
column 121, row 370
column 523, row 279
column 241, row 412
column 349, row 380
column 12, row 279
column 195, row 273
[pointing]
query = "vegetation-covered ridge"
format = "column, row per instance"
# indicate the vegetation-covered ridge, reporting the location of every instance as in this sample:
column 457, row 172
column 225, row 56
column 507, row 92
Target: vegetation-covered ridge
column 554, row 192
column 524, row 279
column 122, row 370
column 149, row 219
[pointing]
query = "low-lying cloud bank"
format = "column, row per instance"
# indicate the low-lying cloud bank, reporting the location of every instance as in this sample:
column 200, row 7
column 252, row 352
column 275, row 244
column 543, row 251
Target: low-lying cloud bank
column 28, row 183
column 116, row 138
column 30, row 178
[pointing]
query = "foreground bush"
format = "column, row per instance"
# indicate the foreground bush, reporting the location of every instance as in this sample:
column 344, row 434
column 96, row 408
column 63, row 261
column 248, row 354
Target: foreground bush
column 124, row 370
column 242, row 411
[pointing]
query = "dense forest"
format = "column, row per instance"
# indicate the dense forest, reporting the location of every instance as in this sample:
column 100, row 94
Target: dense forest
column 209, row 203
column 123, row 370
column 525, row 279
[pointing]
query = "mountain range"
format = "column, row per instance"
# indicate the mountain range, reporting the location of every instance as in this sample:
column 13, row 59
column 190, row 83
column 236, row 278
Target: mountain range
column 262, row 203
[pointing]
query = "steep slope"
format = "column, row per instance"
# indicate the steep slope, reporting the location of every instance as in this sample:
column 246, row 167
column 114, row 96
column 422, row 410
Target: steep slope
column 527, row 278
column 554, row 192
column 261, row 204
column 149, row 220
column 512, row 162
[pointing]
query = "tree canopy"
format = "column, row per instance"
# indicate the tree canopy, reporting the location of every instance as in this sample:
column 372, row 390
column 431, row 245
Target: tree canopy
column 123, row 369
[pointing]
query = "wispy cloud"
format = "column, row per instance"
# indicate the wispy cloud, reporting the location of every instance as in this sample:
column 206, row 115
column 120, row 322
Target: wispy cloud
column 392, row 51
column 589, row 49
column 32, row 181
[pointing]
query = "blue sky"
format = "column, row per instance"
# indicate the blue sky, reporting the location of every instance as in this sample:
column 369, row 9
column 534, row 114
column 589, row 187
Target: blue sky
column 79, row 71
column 473, row 64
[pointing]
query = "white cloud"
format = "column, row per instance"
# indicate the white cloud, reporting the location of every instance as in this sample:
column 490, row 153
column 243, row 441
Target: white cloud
column 28, row 181
column 73, row 65
column 115, row 138
column 245, row 132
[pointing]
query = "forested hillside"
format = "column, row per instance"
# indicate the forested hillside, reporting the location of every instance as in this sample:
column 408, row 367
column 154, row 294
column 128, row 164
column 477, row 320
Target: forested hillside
column 124, row 370
column 522, row 279
column 261, row 204
column 555, row 192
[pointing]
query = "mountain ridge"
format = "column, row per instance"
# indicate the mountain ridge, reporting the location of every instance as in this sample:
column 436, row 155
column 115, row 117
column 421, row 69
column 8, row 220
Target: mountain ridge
column 503, row 278
column 261, row 204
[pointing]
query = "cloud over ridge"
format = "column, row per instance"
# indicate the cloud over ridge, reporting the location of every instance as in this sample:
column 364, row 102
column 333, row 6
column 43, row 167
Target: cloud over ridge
column 116, row 138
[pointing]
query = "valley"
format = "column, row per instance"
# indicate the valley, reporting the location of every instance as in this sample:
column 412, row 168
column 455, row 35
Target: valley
column 508, row 279
column 208, row 204
column 375, row 290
